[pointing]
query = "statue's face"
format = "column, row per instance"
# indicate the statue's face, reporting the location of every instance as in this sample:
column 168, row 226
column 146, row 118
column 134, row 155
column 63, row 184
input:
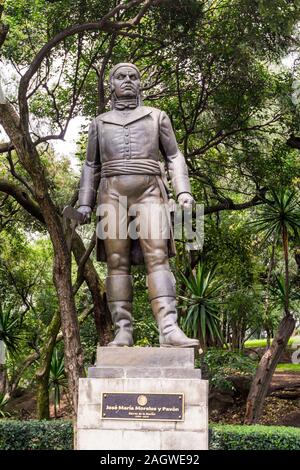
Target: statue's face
column 126, row 82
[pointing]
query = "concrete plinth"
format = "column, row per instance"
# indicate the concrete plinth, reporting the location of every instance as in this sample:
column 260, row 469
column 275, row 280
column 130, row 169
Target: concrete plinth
column 144, row 371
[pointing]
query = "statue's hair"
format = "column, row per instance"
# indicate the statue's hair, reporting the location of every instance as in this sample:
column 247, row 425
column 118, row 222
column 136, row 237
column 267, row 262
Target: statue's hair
column 123, row 64
column 112, row 73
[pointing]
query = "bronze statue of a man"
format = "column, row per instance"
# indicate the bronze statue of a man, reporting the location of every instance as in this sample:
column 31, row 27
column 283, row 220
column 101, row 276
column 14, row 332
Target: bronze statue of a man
column 123, row 154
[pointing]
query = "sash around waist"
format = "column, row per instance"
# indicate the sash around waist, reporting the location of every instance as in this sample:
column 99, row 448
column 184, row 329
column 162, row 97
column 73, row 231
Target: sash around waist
column 137, row 166
column 140, row 166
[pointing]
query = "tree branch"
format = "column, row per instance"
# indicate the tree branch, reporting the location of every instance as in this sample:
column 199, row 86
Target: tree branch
column 18, row 374
column 81, row 265
column 4, row 28
column 22, row 198
column 230, row 205
column 6, row 147
column 16, row 174
column 104, row 24
column 101, row 93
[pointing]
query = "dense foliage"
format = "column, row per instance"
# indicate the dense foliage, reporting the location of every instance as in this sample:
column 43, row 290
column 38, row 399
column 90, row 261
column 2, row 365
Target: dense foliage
column 220, row 366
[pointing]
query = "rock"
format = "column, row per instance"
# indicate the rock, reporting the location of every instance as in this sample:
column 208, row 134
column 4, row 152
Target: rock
column 241, row 384
column 220, row 401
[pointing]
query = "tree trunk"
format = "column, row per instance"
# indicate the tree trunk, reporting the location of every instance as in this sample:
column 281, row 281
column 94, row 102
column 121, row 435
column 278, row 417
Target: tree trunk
column 102, row 316
column 286, row 266
column 264, row 373
column 19, row 135
column 267, row 302
column 14, row 382
column 43, row 372
column 70, row 328
column 3, row 378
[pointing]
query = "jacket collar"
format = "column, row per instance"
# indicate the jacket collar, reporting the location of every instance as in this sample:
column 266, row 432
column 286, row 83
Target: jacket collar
column 120, row 119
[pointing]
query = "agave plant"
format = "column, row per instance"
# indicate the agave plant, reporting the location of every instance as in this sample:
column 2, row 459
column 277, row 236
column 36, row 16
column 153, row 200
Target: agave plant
column 9, row 340
column 278, row 293
column 279, row 218
column 58, row 379
column 9, row 330
column 201, row 305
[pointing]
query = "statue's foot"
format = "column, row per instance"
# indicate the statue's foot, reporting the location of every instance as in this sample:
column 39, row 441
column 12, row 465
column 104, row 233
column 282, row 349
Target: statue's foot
column 122, row 338
column 177, row 339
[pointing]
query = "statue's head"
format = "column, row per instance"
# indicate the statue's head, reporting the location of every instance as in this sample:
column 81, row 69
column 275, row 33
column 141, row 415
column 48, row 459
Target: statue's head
column 125, row 83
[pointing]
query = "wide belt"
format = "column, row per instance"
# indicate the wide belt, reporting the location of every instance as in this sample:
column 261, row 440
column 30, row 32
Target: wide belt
column 140, row 166
column 137, row 166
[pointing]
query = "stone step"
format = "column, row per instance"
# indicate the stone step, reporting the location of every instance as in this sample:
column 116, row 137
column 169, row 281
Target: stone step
column 143, row 372
column 169, row 358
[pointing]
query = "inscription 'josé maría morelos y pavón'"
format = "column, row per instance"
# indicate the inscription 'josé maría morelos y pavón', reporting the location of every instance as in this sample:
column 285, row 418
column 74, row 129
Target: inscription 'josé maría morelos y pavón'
column 151, row 406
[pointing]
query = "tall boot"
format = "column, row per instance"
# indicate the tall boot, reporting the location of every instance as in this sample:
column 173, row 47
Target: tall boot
column 162, row 294
column 119, row 297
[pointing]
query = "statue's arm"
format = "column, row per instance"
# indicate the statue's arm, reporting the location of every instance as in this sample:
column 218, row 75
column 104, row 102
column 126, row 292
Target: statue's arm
column 176, row 164
column 90, row 175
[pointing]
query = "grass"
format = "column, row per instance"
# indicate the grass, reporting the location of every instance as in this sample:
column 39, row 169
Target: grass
column 262, row 343
column 288, row 368
column 256, row 428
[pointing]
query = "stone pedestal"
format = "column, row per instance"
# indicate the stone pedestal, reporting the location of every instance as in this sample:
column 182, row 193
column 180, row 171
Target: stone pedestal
column 143, row 371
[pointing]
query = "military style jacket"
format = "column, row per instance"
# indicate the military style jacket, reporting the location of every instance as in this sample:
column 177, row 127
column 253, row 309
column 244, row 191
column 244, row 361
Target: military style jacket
column 142, row 133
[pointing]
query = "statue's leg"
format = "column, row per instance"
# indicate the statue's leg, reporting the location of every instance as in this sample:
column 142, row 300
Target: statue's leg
column 118, row 281
column 119, row 290
column 162, row 292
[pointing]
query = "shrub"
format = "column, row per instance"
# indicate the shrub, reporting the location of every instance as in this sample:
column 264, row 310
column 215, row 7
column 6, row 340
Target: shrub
column 221, row 364
column 232, row 437
column 36, row 435
column 58, row 435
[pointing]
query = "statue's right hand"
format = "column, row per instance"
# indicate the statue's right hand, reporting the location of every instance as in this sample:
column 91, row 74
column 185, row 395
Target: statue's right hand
column 86, row 211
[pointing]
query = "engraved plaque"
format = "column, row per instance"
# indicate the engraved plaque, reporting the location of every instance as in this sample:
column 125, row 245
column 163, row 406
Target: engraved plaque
column 143, row 406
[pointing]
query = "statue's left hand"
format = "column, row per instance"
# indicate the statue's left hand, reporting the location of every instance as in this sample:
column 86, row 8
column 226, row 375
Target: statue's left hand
column 86, row 211
column 185, row 200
